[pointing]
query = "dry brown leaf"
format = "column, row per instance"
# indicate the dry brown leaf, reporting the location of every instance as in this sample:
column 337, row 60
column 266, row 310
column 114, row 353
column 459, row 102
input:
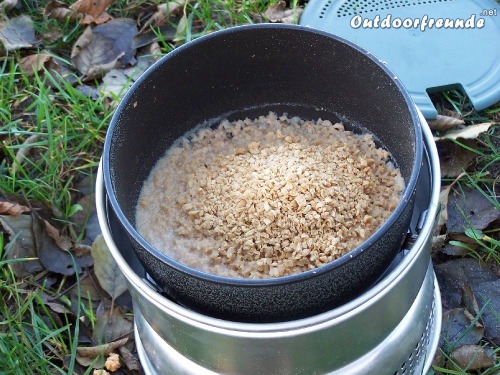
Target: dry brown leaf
column 23, row 151
column 455, row 159
column 106, row 269
column 98, row 50
column 438, row 242
column 17, row 33
column 112, row 322
column 455, row 250
column 34, row 63
column 103, row 18
column 474, row 357
column 148, row 37
column 117, row 81
column 461, row 237
column 10, row 208
column 60, row 71
column 49, row 65
column 80, row 250
column 21, row 244
column 468, row 207
column 279, row 13
column 450, row 113
column 443, row 201
column 95, row 356
column 457, row 330
column 63, row 242
column 89, row 290
column 49, row 246
column 93, row 10
column 443, row 123
column 104, row 349
column 7, row 5
column 51, row 36
column 468, row 132
column 60, row 11
column 154, row 50
column 54, row 306
column 129, row 359
column 164, row 12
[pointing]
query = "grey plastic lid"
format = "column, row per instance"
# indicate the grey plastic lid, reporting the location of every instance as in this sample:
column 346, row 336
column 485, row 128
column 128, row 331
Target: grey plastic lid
column 429, row 59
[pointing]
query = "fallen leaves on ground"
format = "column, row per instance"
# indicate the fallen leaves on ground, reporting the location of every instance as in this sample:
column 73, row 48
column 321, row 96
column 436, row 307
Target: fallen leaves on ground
column 467, row 320
column 7, row 5
column 60, row 11
column 103, row 349
column 34, row 63
column 474, row 357
column 129, row 359
column 17, row 33
column 470, row 288
column 106, row 340
column 117, row 81
column 457, row 328
column 164, row 13
column 455, row 158
column 468, row 207
column 112, row 322
column 443, row 123
column 106, row 270
column 279, row 12
column 53, row 249
column 21, row 244
column 99, row 49
column 467, row 132
column 12, row 208
column 93, row 11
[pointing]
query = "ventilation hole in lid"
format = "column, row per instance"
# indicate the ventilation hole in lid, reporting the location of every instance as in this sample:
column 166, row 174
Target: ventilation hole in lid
column 349, row 7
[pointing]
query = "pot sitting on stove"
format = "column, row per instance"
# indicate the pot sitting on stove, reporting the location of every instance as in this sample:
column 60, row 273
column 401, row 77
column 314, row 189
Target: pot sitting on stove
column 391, row 326
column 284, row 69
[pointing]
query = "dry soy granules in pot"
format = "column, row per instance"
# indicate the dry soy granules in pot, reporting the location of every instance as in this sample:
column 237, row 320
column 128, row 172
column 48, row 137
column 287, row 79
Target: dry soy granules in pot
column 267, row 197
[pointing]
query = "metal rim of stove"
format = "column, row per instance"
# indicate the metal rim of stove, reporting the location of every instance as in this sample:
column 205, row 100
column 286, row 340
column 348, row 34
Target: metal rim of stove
column 419, row 360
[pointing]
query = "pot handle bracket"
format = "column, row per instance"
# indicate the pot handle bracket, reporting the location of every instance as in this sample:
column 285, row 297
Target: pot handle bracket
column 412, row 234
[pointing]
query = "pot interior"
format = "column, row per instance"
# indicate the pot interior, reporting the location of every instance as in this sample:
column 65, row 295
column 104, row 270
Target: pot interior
column 246, row 72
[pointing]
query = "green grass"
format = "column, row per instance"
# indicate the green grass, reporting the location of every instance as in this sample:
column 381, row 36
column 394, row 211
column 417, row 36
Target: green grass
column 51, row 138
column 32, row 340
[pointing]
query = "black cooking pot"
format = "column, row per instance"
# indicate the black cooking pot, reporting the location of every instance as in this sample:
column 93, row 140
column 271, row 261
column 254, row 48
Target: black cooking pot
column 246, row 72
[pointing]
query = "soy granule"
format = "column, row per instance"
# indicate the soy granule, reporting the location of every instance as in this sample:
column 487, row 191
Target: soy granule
column 267, row 197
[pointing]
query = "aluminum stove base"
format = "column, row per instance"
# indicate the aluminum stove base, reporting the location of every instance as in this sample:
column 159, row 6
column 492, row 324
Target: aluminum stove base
column 408, row 349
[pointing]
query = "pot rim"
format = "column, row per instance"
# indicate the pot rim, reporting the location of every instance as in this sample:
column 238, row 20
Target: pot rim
column 294, row 278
